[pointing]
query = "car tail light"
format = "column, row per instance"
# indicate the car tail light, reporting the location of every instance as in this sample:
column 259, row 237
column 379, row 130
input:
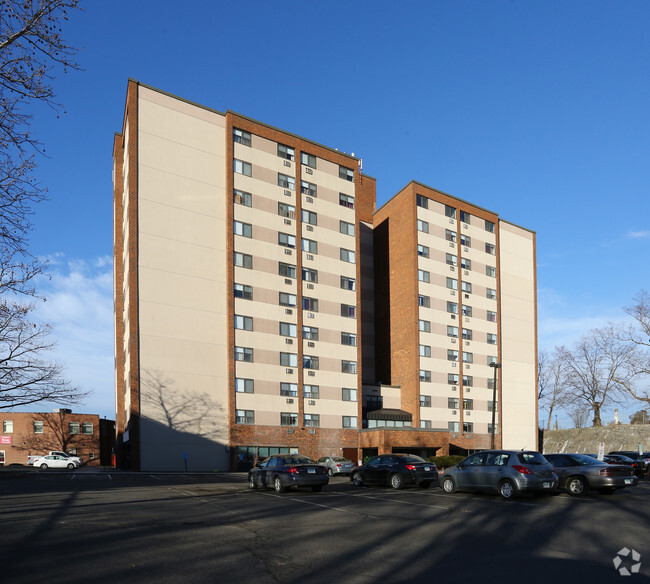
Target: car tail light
column 410, row 467
column 521, row 469
column 607, row 472
column 293, row 470
column 338, row 465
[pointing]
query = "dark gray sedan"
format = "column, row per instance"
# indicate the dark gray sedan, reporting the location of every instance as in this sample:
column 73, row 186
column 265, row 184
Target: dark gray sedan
column 284, row 471
column 579, row 473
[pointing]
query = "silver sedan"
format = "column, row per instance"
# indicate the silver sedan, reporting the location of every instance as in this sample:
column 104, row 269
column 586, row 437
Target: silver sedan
column 336, row 465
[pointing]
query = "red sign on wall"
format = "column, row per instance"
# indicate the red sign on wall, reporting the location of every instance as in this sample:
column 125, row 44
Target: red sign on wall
column 5, row 439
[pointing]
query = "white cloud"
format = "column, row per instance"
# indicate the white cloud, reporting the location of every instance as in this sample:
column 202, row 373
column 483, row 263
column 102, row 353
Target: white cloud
column 638, row 234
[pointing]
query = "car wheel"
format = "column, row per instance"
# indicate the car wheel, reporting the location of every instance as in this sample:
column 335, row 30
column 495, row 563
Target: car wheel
column 330, row 472
column 507, row 490
column 396, row 481
column 43, row 466
column 576, row 486
column 317, row 488
column 70, row 466
column 251, row 482
column 357, row 480
column 278, row 486
column 448, row 485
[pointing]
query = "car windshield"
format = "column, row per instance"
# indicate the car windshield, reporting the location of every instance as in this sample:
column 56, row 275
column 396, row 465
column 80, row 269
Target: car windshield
column 339, row 459
column 531, row 458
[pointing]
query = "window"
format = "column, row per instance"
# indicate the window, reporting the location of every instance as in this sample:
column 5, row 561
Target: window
column 8, row 427
column 452, row 378
column 244, row 385
column 496, row 428
column 285, row 210
column 452, row 307
column 425, row 351
column 349, row 394
column 467, row 310
column 348, row 283
column 311, row 391
column 491, row 271
column 452, row 331
column 489, row 226
column 244, row 354
column 287, row 299
column 286, row 240
column 242, row 198
column 424, row 301
column 349, row 339
column 468, row 380
column 491, row 293
column 468, row 427
column 244, row 417
column 450, row 212
column 454, row 426
column 243, row 229
column 241, row 167
column 424, row 326
column 288, row 329
column 286, row 152
column 451, row 259
column 38, row 426
column 452, row 283
column 244, row 323
column 348, row 311
column 450, row 235
column 424, row 276
column 241, row 137
column 346, row 228
column 310, row 362
column 289, row 359
column 347, row 255
column 425, row 401
column 490, row 383
column 346, row 201
column 312, row 420
column 309, row 245
column 308, row 159
column 243, row 291
column 464, row 216
column 493, row 406
column 467, row 334
column 74, row 427
column 307, row 188
column 346, row 173
column 243, row 260
column 465, row 264
column 310, row 304
column 289, row 389
column 288, row 419
column 309, row 217
column 422, row 201
column 490, row 248
column 423, row 251
column 491, row 339
column 425, row 375
column 452, row 355
column 286, row 181
column 491, row 316
column 465, row 240
column 286, row 270
column 309, row 275
column 466, row 287
column 425, row 423
column 349, row 421
column 468, row 357
column 348, row 366
column 423, row 226
column 452, row 403
column 310, row 333
column 491, row 360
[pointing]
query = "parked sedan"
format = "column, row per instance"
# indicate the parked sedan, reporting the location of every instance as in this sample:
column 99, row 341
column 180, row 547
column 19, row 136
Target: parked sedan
column 641, row 466
column 284, row 471
column 638, row 467
column 505, row 472
column 336, row 464
column 396, row 470
column 55, row 461
column 578, row 473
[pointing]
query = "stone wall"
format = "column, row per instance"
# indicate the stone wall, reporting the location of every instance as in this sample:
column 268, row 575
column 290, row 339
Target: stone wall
column 586, row 440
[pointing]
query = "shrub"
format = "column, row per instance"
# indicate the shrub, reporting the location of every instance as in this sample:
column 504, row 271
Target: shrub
column 443, row 462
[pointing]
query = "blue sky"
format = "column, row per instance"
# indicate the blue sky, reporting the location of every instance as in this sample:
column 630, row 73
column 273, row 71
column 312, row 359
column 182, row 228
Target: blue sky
column 537, row 110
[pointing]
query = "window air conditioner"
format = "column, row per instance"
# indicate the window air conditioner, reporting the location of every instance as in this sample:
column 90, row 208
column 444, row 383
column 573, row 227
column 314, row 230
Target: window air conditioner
column 310, row 344
column 310, row 315
column 289, row 400
column 290, row 430
column 287, row 251
column 287, row 221
column 309, row 171
column 310, row 286
column 287, row 192
column 311, row 402
column 309, row 228
column 288, row 370
column 309, row 200
column 287, row 163
column 468, row 412
column 288, row 311
column 312, row 430
column 288, row 341
column 311, row 373
column 310, row 257
column 287, row 281
column 453, row 364
column 453, row 412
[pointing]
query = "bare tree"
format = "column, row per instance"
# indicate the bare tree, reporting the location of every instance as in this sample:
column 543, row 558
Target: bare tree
column 552, row 386
column 579, row 417
column 599, row 371
column 32, row 49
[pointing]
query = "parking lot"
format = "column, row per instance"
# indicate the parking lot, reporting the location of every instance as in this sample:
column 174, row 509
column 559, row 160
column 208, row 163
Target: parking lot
column 146, row 527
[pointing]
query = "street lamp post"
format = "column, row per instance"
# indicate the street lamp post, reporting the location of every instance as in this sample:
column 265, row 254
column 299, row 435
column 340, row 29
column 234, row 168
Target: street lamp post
column 495, row 366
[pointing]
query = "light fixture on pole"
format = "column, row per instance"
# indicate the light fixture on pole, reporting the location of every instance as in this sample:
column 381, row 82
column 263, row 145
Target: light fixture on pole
column 495, row 366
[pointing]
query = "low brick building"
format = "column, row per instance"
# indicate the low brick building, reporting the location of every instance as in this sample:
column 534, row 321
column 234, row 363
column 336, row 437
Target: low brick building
column 34, row 433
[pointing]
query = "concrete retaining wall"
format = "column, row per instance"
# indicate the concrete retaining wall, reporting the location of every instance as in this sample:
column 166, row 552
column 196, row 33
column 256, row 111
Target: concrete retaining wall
column 586, row 440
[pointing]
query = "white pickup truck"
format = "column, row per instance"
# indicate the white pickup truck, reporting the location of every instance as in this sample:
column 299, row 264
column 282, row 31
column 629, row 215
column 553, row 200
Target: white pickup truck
column 31, row 459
